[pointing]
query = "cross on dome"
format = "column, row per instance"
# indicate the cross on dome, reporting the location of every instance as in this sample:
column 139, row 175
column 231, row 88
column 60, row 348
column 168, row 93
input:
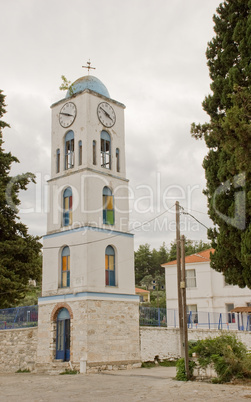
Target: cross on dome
column 89, row 66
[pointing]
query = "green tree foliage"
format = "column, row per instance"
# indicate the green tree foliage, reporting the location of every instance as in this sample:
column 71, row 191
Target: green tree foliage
column 148, row 263
column 66, row 85
column 228, row 138
column 147, row 281
column 20, row 258
column 191, row 247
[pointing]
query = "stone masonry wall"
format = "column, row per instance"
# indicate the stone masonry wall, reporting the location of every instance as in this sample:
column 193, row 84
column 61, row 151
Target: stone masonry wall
column 164, row 342
column 101, row 331
column 18, row 349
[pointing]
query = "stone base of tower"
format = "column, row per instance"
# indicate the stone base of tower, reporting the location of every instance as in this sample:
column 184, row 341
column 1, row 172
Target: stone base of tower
column 104, row 332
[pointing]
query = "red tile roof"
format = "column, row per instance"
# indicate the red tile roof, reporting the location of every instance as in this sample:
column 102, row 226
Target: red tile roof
column 202, row 256
column 138, row 290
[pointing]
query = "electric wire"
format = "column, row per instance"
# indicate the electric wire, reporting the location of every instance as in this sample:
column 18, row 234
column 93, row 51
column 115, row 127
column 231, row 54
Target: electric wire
column 192, row 216
column 94, row 241
column 116, row 235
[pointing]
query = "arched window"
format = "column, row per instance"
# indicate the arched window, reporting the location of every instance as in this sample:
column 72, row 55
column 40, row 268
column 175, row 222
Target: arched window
column 117, row 160
column 109, row 266
column 105, row 150
column 108, row 206
column 65, row 267
column 67, row 207
column 94, row 150
column 69, row 150
column 58, row 161
column 80, row 152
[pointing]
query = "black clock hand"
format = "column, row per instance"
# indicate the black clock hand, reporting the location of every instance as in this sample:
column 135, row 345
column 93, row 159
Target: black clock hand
column 66, row 114
column 107, row 114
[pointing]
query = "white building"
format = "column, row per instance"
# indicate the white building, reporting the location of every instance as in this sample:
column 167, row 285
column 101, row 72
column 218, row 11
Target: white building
column 206, row 290
column 88, row 310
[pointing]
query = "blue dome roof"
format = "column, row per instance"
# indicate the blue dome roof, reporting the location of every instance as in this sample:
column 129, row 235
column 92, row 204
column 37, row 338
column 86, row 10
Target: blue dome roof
column 88, row 82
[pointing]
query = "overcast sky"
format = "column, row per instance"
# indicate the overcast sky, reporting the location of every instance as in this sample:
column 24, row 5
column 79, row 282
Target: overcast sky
column 151, row 56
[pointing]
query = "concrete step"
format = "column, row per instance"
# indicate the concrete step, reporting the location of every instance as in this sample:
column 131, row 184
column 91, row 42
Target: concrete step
column 53, row 368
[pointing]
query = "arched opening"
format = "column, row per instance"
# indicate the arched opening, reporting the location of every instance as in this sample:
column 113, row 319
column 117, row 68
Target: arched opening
column 65, row 267
column 69, row 150
column 109, row 266
column 80, row 152
column 94, row 159
column 105, row 150
column 67, row 207
column 63, row 335
column 117, row 160
column 108, row 206
column 58, row 161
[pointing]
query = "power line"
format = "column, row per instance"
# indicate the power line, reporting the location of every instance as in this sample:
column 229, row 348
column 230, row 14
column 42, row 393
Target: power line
column 192, row 216
column 98, row 240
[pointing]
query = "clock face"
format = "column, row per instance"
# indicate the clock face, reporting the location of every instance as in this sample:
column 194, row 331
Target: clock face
column 106, row 114
column 67, row 114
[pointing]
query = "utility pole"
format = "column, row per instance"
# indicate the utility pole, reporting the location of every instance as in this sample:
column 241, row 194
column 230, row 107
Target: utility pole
column 184, row 302
column 179, row 277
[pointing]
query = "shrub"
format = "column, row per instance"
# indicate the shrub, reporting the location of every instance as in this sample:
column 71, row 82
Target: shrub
column 181, row 370
column 228, row 355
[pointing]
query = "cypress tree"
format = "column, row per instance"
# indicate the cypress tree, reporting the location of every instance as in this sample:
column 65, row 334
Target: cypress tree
column 20, row 258
column 228, row 138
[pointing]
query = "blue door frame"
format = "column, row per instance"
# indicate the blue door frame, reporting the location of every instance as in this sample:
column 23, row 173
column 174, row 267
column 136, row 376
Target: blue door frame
column 63, row 336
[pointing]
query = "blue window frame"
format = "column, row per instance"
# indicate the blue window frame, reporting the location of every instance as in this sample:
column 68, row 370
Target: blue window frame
column 108, row 206
column 69, row 150
column 65, row 267
column 105, row 150
column 58, row 161
column 109, row 266
column 80, row 152
column 67, row 207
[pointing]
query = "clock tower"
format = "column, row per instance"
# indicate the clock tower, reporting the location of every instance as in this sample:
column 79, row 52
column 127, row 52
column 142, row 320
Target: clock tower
column 88, row 311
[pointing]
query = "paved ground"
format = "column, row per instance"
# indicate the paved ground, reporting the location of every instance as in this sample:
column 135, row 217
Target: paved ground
column 155, row 384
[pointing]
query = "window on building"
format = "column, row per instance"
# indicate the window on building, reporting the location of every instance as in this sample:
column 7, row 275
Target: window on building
column 117, row 160
column 69, row 150
column 105, row 150
column 80, row 152
column 230, row 316
column 58, row 161
column 94, row 151
column 65, row 267
column 108, row 206
column 109, row 266
column 192, row 314
column 190, row 278
column 67, row 207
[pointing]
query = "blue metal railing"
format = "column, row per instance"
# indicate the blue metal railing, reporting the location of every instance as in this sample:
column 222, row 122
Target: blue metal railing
column 18, row 317
column 151, row 316
column 27, row 316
